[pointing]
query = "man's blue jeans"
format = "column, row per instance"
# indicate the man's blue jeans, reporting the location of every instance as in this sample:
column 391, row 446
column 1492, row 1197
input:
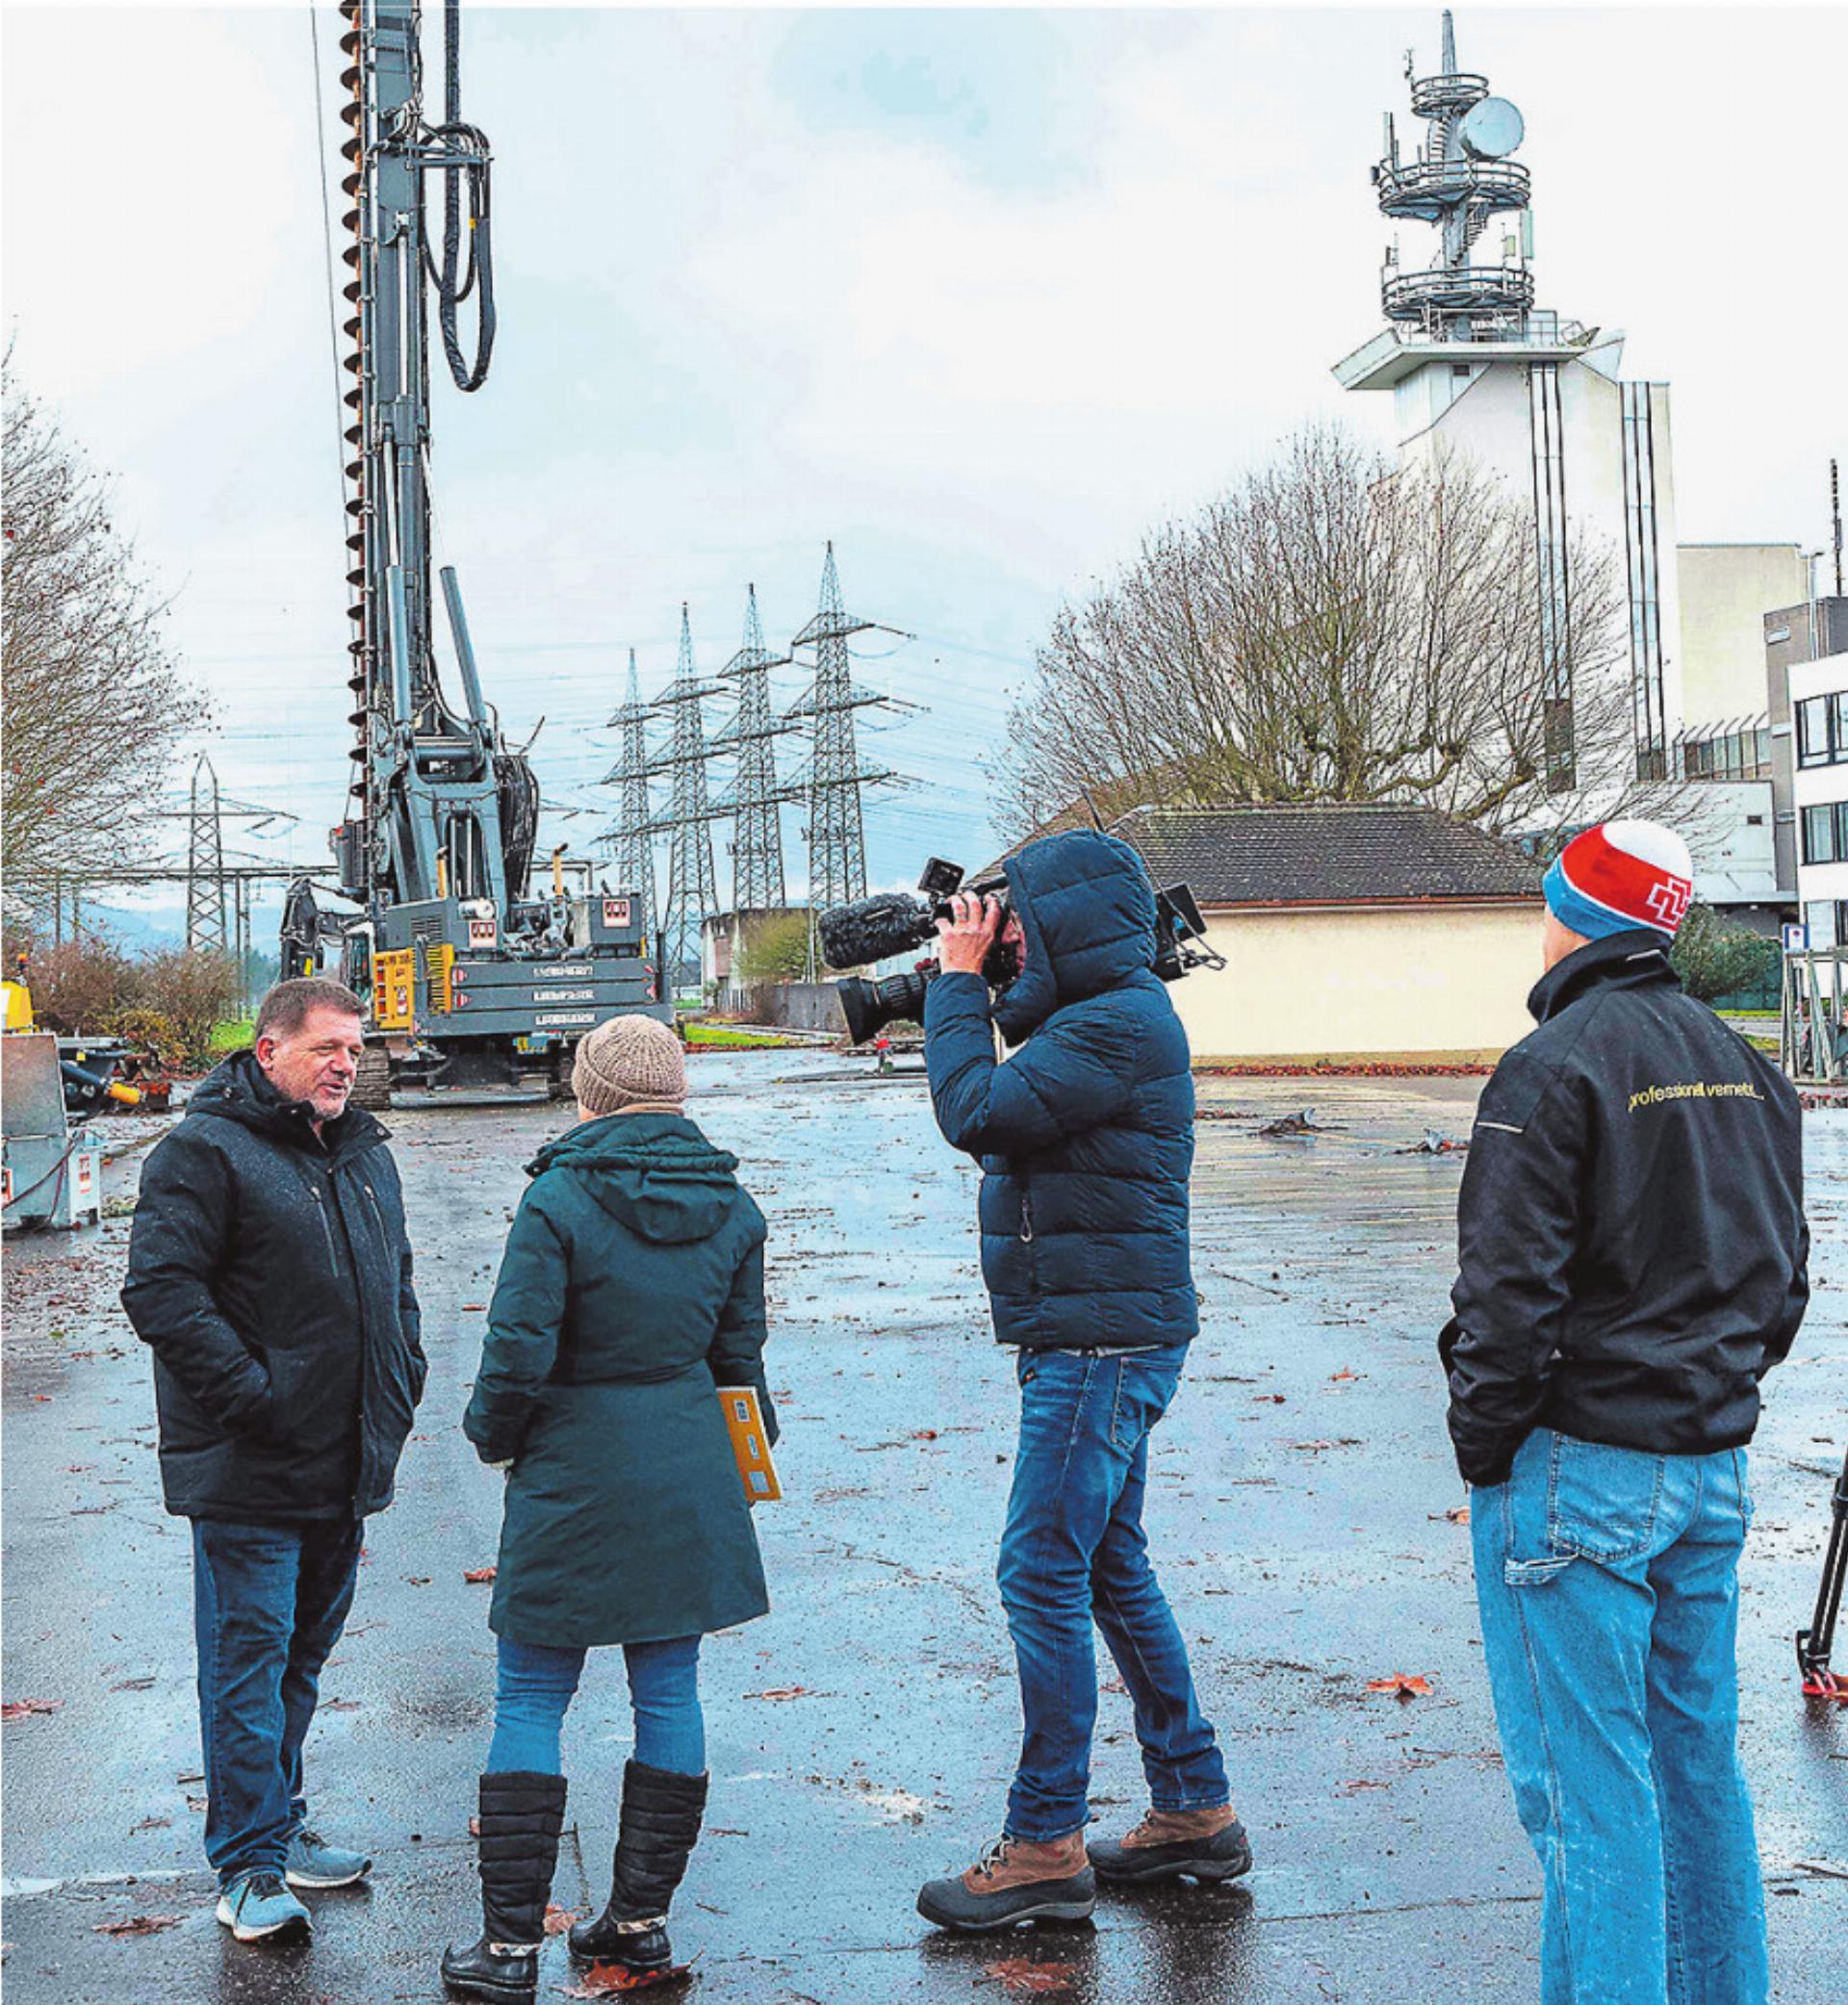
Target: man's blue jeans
column 535, row 1684
column 1074, row 1552
column 269, row 1604
column 1608, row 1587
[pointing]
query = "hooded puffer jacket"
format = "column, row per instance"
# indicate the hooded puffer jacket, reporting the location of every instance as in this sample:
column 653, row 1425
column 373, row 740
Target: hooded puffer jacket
column 632, row 1287
column 1084, row 1133
column 270, row 1274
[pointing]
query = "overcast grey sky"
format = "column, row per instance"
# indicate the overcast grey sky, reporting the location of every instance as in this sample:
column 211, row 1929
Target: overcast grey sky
column 980, row 294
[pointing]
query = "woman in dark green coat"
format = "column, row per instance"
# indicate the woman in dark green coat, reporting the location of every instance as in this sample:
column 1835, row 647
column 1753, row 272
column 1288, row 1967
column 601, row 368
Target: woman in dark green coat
column 632, row 1287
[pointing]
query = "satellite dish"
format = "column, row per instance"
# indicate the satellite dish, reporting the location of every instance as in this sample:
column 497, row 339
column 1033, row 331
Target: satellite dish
column 1491, row 128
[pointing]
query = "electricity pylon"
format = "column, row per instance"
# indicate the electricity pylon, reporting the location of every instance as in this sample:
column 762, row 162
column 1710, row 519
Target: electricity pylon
column 627, row 840
column 692, row 884
column 205, row 921
column 835, row 776
column 756, row 800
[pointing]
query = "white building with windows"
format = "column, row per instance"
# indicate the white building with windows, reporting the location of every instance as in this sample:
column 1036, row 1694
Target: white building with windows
column 1809, row 645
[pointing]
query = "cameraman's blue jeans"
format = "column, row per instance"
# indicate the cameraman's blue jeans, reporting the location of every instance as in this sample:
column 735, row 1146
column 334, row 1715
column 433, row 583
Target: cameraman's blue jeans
column 1073, row 1553
column 1607, row 1580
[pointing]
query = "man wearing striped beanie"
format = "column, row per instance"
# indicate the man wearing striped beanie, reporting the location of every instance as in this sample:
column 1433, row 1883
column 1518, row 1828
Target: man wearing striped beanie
column 1632, row 1260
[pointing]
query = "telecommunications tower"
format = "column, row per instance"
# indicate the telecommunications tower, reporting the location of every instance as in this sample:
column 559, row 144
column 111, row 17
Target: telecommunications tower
column 627, row 840
column 692, row 884
column 1539, row 404
column 205, row 921
column 1461, row 181
column 756, row 801
column 835, row 776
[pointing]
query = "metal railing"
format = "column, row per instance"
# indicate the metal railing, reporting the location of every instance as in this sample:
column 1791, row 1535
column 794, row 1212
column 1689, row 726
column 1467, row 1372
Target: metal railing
column 1434, row 98
column 1483, row 288
column 1423, row 188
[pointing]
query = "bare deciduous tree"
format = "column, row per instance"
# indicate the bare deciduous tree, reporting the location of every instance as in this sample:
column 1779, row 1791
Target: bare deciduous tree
column 1336, row 631
column 96, row 706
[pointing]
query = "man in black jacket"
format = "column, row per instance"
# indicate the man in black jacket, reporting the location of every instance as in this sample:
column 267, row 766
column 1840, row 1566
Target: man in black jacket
column 270, row 1274
column 1632, row 1261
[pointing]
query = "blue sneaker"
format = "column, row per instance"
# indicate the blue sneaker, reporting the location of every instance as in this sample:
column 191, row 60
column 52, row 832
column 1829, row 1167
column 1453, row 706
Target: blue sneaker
column 258, row 1906
column 314, row 1862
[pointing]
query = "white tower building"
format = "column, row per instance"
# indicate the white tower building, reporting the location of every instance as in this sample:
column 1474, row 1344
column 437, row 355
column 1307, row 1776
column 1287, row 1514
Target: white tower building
column 1477, row 369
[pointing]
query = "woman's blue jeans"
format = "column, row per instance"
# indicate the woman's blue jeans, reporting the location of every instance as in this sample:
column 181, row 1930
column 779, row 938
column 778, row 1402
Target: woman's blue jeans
column 534, row 1690
column 1608, row 1584
column 1075, row 1552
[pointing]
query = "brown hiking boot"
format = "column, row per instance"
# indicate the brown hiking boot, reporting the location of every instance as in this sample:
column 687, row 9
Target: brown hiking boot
column 1015, row 1880
column 1172, row 1844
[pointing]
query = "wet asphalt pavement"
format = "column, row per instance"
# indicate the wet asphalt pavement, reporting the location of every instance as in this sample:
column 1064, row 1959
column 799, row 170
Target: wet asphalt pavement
column 1298, row 1512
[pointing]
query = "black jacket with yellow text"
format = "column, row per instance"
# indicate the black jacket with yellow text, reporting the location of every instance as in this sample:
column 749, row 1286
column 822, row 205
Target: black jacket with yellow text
column 1631, row 1247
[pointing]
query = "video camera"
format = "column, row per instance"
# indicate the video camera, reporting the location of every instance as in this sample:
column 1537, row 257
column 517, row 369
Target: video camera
column 890, row 922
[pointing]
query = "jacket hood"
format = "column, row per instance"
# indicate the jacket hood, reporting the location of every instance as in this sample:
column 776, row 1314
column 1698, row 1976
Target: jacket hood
column 1635, row 956
column 239, row 1089
column 1088, row 909
column 654, row 1172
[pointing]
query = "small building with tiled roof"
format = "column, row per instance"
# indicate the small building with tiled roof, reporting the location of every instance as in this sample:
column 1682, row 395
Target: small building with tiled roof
column 1349, row 934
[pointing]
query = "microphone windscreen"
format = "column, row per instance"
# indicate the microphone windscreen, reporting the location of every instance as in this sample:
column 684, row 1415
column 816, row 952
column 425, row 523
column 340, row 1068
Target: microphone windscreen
column 871, row 929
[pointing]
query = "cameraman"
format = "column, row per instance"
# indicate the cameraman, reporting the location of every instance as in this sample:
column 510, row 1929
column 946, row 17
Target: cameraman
column 1086, row 1137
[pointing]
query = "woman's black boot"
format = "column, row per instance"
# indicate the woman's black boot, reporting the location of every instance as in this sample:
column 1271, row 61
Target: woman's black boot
column 661, row 1812
column 522, row 1815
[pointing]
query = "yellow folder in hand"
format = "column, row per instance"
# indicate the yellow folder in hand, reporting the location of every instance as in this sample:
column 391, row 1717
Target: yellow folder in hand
column 750, row 1443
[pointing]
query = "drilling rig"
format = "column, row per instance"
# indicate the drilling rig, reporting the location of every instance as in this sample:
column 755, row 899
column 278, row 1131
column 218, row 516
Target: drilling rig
column 471, row 986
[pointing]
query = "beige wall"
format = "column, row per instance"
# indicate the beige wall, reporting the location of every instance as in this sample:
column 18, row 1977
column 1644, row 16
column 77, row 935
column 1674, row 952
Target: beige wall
column 1418, row 981
column 1727, row 589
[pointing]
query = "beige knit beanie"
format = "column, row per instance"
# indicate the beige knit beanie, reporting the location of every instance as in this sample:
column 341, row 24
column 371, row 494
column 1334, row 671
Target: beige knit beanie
column 629, row 1064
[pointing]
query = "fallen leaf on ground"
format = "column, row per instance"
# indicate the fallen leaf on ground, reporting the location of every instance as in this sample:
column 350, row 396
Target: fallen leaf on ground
column 557, row 1918
column 474, row 1827
column 606, row 1980
column 1402, row 1684
column 783, row 1692
column 925, row 1434
column 479, row 1574
column 1360, row 1782
column 1021, row 1973
column 133, row 1684
column 150, row 1824
column 22, row 1709
column 341, row 1705
column 138, row 1925
column 1335, row 1377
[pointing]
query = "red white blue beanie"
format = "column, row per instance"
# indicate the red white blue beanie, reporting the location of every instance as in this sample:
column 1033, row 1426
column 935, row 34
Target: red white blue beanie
column 1621, row 875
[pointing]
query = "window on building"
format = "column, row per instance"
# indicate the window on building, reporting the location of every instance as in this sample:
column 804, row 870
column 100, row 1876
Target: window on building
column 1731, row 755
column 1819, row 916
column 1813, row 732
column 1838, row 726
column 1822, row 833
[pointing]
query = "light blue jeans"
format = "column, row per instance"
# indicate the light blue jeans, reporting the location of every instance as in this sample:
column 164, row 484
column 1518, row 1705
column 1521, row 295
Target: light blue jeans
column 1608, row 1585
column 534, row 1690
